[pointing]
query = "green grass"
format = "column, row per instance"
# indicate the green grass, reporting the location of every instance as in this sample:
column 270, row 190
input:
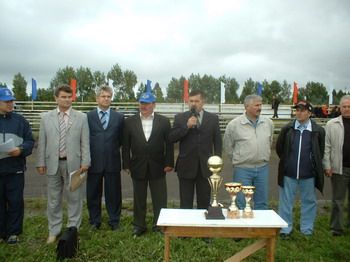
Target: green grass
column 106, row 245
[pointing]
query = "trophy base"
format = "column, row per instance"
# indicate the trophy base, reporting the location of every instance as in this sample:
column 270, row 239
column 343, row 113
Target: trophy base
column 233, row 214
column 214, row 213
column 248, row 214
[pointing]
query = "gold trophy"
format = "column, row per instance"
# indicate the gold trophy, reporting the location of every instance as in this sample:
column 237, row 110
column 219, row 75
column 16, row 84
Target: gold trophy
column 248, row 191
column 215, row 210
column 233, row 189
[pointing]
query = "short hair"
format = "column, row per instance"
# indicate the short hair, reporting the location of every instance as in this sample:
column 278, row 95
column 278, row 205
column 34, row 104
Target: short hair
column 63, row 88
column 104, row 88
column 197, row 92
column 249, row 99
column 345, row 97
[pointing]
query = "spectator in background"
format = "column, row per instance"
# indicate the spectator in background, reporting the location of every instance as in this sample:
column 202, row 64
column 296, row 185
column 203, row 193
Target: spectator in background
column 275, row 105
column 336, row 163
column 12, row 167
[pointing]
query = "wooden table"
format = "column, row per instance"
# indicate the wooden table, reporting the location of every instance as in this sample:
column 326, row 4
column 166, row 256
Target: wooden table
column 266, row 224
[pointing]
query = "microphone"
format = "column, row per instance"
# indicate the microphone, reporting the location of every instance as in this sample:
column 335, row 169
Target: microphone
column 193, row 113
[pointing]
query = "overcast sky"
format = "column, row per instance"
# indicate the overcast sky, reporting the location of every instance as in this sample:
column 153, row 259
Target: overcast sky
column 296, row 40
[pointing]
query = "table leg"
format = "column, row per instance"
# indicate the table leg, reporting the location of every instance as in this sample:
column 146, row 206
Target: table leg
column 166, row 248
column 270, row 249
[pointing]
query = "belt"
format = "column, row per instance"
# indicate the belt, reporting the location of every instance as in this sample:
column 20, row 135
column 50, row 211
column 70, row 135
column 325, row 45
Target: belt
column 62, row 158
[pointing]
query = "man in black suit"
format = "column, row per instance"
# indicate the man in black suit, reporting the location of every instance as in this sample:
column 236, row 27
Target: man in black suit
column 106, row 127
column 198, row 132
column 147, row 156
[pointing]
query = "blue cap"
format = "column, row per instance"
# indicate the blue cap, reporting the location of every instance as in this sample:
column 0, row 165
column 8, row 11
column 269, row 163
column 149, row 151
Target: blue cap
column 6, row 94
column 147, row 98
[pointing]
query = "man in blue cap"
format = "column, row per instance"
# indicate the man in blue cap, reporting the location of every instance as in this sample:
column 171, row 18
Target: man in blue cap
column 147, row 156
column 16, row 129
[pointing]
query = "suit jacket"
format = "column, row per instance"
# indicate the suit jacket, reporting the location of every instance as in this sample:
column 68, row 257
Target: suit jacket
column 156, row 153
column 197, row 145
column 105, row 143
column 77, row 144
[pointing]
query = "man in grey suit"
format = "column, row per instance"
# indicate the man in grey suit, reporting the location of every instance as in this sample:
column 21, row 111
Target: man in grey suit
column 63, row 148
column 147, row 156
column 106, row 127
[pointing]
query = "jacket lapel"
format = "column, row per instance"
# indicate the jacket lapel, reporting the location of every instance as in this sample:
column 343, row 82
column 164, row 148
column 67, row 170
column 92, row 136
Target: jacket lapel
column 71, row 119
column 54, row 118
column 138, row 125
column 155, row 125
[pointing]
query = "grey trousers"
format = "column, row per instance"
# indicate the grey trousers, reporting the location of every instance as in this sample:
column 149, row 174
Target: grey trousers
column 55, row 186
column 340, row 184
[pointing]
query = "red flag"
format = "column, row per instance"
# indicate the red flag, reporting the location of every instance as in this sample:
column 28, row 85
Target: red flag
column 295, row 93
column 186, row 90
column 73, row 85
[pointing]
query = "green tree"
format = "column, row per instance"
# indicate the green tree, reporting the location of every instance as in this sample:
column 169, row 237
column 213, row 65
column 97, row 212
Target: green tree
column 157, row 91
column 285, row 94
column 85, row 84
column 130, row 81
column 249, row 87
column 315, row 93
column 46, row 94
column 99, row 79
column 175, row 93
column 3, row 84
column 19, row 87
column 63, row 76
column 337, row 96
column 231, row 87
column 116, row 75
column 141, row 89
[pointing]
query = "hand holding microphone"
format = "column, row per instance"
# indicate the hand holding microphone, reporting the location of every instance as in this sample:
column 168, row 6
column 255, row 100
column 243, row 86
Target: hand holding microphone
column 192, row 121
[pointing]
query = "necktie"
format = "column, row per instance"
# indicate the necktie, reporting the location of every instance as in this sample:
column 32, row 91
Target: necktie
column 103, row 119
column 62, row 128
column 198, row 120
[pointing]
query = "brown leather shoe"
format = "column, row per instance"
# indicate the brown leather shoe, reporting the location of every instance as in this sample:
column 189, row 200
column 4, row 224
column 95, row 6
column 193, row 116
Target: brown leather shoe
column 51, row 239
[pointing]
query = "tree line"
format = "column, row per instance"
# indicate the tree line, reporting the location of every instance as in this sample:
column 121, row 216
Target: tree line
column 125, row 81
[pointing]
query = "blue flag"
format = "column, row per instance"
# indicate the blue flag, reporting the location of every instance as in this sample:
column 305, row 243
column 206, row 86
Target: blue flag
column 148, row 87
column 259, row 89
column 34, row 90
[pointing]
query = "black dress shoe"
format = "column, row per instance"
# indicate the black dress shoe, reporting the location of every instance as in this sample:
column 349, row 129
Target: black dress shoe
column 115, row 227
column 285, row 236
column 138, row 232
column 158, row 230
column 337, row 234
column 237, row 239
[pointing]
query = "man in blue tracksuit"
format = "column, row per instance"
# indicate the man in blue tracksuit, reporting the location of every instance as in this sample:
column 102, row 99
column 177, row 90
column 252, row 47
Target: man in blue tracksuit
column 12, row 166
column 300, row 147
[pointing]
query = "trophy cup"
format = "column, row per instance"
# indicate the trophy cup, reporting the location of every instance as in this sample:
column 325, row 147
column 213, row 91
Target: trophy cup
column 233, row 189
column 214, row 210
column 248, row 191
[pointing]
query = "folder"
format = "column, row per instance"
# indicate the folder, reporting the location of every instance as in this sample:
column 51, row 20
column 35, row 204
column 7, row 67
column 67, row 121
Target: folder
column 76, row 179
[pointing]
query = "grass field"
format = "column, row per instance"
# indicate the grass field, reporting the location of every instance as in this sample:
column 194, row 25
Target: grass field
column 106, row 245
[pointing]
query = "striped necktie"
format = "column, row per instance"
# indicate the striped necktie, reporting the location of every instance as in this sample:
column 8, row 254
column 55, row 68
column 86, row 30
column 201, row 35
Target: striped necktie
column 103, row 119
column 62, row 128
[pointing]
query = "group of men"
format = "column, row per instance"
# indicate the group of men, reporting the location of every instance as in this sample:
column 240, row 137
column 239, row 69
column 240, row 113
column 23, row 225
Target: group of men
column 103, row 143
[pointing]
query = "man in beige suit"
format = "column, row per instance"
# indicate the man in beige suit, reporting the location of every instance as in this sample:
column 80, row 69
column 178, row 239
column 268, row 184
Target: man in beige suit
column 63, row 148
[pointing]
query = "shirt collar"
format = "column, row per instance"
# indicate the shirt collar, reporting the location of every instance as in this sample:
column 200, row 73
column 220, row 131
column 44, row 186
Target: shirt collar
column 147, row 118
column 254, row 123
column 99, row 110
column 300, row 127
column 67, row 112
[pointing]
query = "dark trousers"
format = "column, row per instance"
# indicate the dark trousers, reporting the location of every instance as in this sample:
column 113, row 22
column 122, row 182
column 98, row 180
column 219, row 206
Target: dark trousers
column 113, row 196
column 159, row 196
column 187, row 187
column 11, row 204
column 340, row 184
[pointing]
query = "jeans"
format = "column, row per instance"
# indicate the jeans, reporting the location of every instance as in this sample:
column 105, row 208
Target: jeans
column 308, row 203
column 258, row 177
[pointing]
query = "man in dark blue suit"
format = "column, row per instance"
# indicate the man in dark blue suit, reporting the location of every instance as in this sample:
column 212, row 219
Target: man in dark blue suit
column 106, row 128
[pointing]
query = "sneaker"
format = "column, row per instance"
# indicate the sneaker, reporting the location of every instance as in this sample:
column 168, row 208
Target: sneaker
column 51, row 239
column 284, row 236
column 13, row 239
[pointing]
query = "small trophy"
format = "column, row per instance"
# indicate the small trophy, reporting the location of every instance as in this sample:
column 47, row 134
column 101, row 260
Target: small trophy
column 215, row 210
column 233, row 189
column 248, row 191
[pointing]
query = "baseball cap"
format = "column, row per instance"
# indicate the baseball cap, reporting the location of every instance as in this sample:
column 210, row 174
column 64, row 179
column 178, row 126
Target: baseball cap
column 6, row 94
column 147, row 98
column 303, row 104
